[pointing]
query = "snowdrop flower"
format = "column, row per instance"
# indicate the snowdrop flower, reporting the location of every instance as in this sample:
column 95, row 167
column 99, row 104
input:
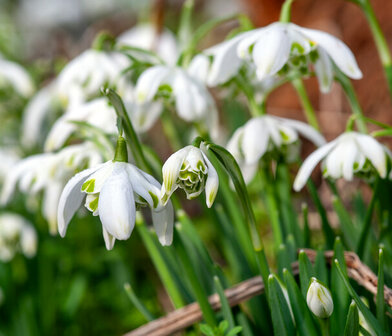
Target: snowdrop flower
column 83, row 77
column 96, row 112
column 113, row 191
column 16, row 235
column 40, row 106
column 362, row 321
column 266, row 134
column 48, row 172
column 8, row 158
column 145, row 36
column 348, row 154
column 189, row 169
column 192, row 99
column 319, row 299
column 280, row 48
column 16, row 76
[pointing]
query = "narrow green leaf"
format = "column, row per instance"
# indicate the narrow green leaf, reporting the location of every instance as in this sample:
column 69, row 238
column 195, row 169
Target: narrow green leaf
column 281, row 315
column 305, row 272
column 352, row 323
column 369, row 317
column 226, row 310
column 306, row 230
column 320, row 267
column 380, row 301
column 303, row 318
column 234, row 331
column 137, row 303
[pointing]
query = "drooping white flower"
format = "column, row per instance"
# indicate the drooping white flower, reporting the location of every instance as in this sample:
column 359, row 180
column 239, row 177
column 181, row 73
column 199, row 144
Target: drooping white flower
column 37, row 111
column 8, row 159
column 145, row 36
column 16, row 235
column 192, row 99
column 348, row 154
column 189, row 169
column 48, row 172
column 280, row 48
column 96, row 112
column 17, row 77
column 266, row 134
column 319, row 299
column 113, row 191
column 83, row 77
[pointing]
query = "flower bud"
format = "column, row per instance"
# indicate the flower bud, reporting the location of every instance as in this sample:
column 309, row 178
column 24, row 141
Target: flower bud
column 319, row 299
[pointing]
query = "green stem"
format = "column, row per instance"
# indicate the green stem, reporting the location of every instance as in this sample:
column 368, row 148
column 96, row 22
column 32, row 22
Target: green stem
column 379, row 39
column 348, row 89
column 305, row 101
column 367, row 222
column 255, row 109
column 160, row 265
column 285, row 13
column 272, row 207
column 198, row 290
column 324, row 327
column 170, row 131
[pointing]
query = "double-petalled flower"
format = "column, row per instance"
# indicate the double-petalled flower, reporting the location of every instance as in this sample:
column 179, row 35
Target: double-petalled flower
column 189, row 169
column 114, row 191
column 348, row 154
column 267, row 134
column 279, row 49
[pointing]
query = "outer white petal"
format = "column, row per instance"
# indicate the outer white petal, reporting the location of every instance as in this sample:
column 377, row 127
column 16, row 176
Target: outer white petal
column 163, row 221
column 324, row 71
column 98, row 178
column 212, row 183
column 199, row 67
column 116, row 204
column 374, row 152
column 58, row 135
column 143, row 116
column 351, row 154
column 271, row 51
column 71, row 198
column 335, row 160
column 50, row 202
column 171, row 170
column 310, row 163
column 305, row 130
column 28, row 241
column 234, row 144
column 247, row 39
column 108, row 238
column 337, row 50
column 249, row 171
column 226, row 62
column 17, row 76
column 272, row 126
column 254, row 140
column 150, row 81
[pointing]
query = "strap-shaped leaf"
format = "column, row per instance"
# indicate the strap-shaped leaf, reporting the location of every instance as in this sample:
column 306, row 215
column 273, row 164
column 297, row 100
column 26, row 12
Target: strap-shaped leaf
column 352, row 323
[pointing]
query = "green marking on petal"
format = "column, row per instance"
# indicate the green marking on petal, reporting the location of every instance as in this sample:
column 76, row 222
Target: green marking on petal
column 88, row 186
column 154, row 199
column 94, row 205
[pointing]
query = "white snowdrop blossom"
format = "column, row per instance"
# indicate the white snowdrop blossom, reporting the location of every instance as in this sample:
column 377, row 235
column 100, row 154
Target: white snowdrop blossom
column 114, row 191
column 96, row 112
column 266, row 134
column 189, row 169
column 192, row 99
column 16, row 235
column 145, row 36
column 14, row 75
column 82, row 78
column 8, row 158
column 280, row 48
column 48, row 172
column 348, row 154
column 319, row 299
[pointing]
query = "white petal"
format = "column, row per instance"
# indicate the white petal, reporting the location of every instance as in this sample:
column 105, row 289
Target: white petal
column 247, row 39
column 212, row 183
column 335, row 160
column 94, row 183
column 306, row 131
column 324, row 71
column 163, row 221
column 59, row 133
column 351, row 154
column 171, row 169
column 17, row 76
column 116, row 204
column 199, row 67
column 50, row 202
column 374, row 152
column 255, row 140
column 249, row 171
column 150, row 81
column 272, row 127
column 234, row 144
column 108, row 238
column 71, row 198
column 337, row 50
column 143, row 116
column 310, row 163
column 271, row 51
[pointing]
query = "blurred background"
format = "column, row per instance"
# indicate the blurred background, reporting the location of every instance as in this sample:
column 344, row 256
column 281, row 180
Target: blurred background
column 74, row 286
